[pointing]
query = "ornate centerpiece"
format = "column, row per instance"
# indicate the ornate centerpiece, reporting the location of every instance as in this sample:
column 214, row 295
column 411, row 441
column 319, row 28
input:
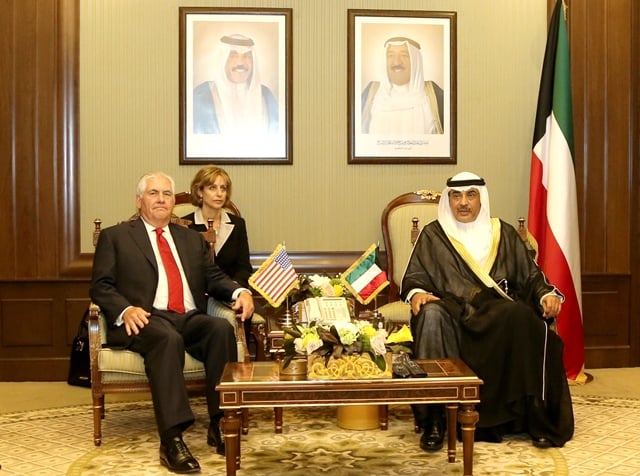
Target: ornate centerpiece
column 344, row 350
column 355, row 366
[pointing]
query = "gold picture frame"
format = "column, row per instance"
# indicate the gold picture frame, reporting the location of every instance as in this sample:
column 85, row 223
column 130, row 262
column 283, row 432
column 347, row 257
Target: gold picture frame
column 235, row 85
column 399, row 114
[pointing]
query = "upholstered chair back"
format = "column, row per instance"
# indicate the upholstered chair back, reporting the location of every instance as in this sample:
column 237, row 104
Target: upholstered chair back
column 402, row 220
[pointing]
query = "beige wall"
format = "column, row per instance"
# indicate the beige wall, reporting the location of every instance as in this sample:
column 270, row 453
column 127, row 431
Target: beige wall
column 129, row 117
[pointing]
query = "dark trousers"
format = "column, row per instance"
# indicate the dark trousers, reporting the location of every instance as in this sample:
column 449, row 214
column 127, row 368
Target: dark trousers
column 436, row 336
column 163, row 342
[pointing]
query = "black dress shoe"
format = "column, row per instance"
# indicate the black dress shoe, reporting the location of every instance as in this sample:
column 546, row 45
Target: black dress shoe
column 433, row 437
column 214, row 438
column 541, row 442
column 177, row 458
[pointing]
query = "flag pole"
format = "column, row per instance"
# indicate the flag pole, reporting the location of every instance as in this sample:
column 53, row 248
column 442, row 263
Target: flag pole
column 287, row 317
column 378, row 319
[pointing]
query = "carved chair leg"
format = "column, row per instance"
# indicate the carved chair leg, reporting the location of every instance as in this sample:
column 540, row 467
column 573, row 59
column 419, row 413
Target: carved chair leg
column 98, row 415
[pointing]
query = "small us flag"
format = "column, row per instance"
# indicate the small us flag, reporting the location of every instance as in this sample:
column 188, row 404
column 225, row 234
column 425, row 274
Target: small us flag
column 275, row 277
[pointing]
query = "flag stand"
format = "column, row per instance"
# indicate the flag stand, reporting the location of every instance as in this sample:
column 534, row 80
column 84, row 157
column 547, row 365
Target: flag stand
column 378, row 319
column 287, row 317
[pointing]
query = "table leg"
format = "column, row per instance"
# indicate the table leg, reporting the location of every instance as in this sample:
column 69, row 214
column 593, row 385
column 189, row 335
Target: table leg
column 241, row 414
column 277, row 419
column 452, row 410
column 468, row 417
column 383, row 416
column 245, row 421
column 230, row 425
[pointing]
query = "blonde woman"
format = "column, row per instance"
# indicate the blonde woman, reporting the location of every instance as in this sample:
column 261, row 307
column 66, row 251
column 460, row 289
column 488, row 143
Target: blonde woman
column 211, row 194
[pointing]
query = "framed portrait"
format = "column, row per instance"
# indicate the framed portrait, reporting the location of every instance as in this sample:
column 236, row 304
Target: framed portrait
column 235, row 85
column 402, row 87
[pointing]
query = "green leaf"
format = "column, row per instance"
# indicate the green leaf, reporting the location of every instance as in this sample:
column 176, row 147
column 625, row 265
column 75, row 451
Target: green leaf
column 337, row 351
column 292, row 331
column 401, row 347
column 366, row 344
column 328, row 336
column 379, row 360
column 289, row 346
column 286, row 361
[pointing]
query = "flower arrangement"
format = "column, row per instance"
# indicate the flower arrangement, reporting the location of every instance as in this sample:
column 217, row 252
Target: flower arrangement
column 316, row 285
column 344, row 338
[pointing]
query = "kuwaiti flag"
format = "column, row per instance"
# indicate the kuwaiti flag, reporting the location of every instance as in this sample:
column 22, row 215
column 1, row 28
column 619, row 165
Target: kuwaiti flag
column 364, row 278
column 275, row 277
column 553, row 208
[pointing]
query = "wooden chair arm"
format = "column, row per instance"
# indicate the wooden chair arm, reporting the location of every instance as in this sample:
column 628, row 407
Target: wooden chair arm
column 95, row 340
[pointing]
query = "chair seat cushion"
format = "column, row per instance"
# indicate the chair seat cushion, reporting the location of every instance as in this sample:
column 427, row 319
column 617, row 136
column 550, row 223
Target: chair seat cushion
column 127, row 366
column 397, row 311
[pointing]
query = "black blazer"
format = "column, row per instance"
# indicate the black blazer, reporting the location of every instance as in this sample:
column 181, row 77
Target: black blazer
column 233, row 257
column 125, row 271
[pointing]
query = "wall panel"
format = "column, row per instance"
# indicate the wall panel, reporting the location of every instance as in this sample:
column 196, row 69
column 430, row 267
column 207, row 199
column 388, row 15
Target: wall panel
column 7, row 92
column 26, row 322
column 602, row 51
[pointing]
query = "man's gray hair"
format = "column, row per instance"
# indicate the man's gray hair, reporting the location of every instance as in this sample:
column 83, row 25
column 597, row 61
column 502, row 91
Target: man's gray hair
column 142, row 183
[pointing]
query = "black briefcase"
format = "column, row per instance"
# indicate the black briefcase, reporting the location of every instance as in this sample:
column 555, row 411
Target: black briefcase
column 79, row 365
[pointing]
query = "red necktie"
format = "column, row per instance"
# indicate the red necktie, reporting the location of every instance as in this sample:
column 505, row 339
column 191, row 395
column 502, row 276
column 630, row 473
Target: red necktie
column 176, row 296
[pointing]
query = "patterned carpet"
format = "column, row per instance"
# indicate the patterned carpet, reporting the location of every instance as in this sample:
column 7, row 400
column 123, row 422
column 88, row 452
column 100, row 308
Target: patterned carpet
column 59, row 442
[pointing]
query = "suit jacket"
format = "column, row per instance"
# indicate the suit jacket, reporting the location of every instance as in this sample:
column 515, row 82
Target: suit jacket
column 125, row 271
column 233, row 257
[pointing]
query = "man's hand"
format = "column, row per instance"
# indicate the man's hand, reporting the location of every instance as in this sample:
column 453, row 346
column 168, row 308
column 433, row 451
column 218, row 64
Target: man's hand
column 243, row 306
column 135, row 318
column 551, row 306
column 420, row 299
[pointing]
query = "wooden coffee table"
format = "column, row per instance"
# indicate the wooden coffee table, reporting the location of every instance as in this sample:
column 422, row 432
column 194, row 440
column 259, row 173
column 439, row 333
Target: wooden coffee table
column 258, row 385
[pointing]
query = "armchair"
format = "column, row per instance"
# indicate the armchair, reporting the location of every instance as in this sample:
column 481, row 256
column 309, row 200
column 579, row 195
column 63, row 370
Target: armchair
column 122, row 371
column 402, row 219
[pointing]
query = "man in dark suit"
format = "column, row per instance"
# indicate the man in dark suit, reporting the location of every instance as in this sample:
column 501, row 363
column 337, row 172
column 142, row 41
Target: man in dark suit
column 156, row 304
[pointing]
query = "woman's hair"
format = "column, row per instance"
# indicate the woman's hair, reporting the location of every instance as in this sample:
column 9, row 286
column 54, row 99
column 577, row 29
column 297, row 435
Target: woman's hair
column 206, row 176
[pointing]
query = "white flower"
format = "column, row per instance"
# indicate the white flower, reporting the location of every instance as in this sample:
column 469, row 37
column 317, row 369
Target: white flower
column 327, row 290
column 313, row 345
column 361, row 324
column 378, row 342
column 347, row 331
column 318, row 281
column 299, row 346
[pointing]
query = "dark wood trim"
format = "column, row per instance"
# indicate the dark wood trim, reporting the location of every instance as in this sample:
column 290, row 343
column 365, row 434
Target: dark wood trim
column 71, row 261
column 328, row 262
column 634, row 127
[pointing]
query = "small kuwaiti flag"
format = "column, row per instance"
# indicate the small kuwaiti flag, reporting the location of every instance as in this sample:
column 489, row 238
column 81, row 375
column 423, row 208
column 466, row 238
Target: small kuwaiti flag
column 275, row 277
column 553, row 208
column 364, row 278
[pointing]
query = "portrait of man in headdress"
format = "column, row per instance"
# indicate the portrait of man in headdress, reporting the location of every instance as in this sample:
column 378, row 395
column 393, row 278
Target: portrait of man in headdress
column 235, row 94
column 235, row 101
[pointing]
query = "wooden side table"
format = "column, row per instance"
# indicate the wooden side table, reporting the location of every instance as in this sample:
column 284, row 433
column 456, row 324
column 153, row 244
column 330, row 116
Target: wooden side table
column 258, row 385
